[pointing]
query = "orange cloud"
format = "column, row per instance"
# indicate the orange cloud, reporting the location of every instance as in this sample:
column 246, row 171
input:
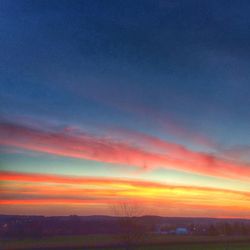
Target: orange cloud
column 156, row 154
column 38, row 189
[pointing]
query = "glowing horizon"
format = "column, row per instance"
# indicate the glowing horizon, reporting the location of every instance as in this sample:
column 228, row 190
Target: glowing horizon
column 106, row 102
column 20, row 190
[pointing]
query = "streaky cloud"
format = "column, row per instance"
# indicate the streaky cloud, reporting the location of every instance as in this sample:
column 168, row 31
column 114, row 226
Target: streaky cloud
column 110, row 150
column 29, row 189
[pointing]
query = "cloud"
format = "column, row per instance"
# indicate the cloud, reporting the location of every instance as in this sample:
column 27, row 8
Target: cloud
column 238, row 152
column 110, row 150
column 21, row 189
column 131, row 105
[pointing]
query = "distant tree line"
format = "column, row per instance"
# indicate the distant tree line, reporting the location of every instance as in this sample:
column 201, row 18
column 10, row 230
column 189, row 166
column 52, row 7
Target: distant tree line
column 226, row 228
column 130, row 226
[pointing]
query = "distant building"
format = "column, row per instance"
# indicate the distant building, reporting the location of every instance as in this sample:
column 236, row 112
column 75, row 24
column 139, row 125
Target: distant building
column 165, row 228
column 181, row 231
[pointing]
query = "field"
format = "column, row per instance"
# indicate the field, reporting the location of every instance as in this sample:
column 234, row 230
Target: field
column 197, row 246
column 104, row 242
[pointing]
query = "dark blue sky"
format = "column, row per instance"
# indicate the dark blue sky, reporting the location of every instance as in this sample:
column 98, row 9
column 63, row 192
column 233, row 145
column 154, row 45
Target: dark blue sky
column 146, row 65
column 133, row 91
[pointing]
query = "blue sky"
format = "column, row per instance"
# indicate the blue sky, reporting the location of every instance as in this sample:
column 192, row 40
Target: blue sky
column 120, row 72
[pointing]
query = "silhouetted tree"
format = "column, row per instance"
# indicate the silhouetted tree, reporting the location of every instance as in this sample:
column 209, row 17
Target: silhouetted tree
column 244, row 229
column 212, row 230
column 228, row 229
column 133, row 232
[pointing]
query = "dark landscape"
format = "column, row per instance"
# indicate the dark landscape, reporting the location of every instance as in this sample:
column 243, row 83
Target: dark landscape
column 104, row 232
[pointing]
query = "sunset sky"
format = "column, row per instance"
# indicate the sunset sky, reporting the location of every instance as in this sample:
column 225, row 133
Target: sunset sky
column 112, row 101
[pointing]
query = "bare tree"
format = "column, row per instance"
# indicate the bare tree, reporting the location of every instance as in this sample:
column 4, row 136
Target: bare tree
column 132, row 231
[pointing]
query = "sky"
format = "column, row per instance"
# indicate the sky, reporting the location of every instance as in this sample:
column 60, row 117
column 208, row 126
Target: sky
column 137, row 101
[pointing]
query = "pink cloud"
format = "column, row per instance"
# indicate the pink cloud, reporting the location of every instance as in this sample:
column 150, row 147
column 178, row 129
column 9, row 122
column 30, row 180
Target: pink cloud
column 238, row 152
column 85, row 146
column 166, row 122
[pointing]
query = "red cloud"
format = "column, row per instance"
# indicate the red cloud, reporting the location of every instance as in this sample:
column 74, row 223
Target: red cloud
column 86, row 146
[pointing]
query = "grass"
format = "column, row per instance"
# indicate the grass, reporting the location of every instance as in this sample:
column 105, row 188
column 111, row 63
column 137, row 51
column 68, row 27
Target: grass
column 64, row 241
column 198, row 246
column 154, row 242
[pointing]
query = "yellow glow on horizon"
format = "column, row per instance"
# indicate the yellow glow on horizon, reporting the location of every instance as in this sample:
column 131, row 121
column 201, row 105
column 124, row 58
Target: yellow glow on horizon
column 40, row 190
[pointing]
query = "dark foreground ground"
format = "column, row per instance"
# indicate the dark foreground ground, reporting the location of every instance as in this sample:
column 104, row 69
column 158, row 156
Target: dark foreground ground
column 108, row 242
column 210, row 246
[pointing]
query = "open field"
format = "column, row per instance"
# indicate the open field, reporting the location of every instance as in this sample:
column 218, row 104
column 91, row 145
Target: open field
column 199, row 246
column 105, row 242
